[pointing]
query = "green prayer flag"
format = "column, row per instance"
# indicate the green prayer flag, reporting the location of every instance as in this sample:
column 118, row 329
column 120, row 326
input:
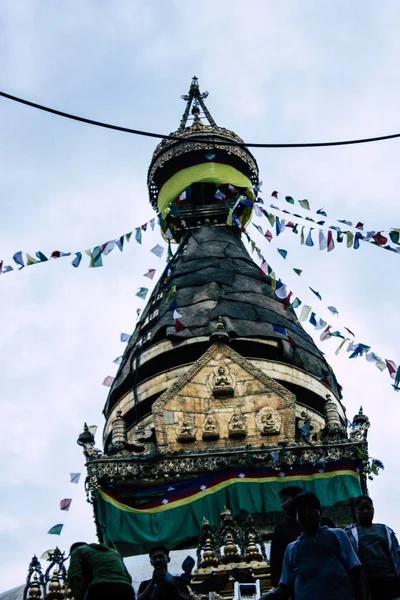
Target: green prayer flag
column 174, row 210
column 350, row 237
column 229, row 217
column 337, row 334
column 305, row 311
column 339, row 237
column 302, row 236
column 295, row 228
column 41, row 256
column 56, row 529
column 128, row 236
column 297, row 271
column 95, row 257
column 271, row 218
column 394, row 235
column 282, row 252
column 30, row 260
column 171, row 293
column 296, row 303
column 304, row 204
column 289, row 199
column 138, row 235
column 253, row 245
column 142, row 293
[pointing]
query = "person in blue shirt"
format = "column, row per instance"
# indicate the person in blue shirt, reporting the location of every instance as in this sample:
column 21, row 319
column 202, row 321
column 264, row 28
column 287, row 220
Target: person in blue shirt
column 321, row 564
column 378, row 550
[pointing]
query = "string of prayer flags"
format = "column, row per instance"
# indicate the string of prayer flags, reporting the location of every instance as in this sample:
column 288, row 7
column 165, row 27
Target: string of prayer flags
column 142, row 293
column 150, row 273
column 65, row 503
column 125, row 337
column 108, row 381
column 74, row 477
column 56, row 529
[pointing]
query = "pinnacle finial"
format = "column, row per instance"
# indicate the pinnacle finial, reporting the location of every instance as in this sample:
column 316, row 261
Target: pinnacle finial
column 195, row 100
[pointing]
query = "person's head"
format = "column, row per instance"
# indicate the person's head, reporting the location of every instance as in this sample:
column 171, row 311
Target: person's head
column 364, row 510
column 159, row 557
column 75, row 546
column 307, row 509
column 287, row 495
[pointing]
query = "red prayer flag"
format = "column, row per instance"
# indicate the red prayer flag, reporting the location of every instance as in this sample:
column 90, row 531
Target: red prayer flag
column 331, row 243
column 268, row 235
column 392, row 368
column 287, row 300
column 150, row 273
column 65, row 504
column 380, row 239
column 144, row 227
column 360, row 225
column 275, row 194
column 179, row 326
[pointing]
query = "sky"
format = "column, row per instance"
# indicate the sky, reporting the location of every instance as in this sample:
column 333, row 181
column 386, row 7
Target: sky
column 292, row 71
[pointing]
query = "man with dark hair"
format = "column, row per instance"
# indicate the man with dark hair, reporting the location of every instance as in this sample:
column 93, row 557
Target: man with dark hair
column 378, row 550
column 284, row 533
column 163, row 585
column 321, row 564
column 97, row 572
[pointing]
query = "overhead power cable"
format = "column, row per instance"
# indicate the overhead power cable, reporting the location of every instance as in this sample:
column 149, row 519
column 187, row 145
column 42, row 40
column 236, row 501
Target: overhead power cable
column 60, row 113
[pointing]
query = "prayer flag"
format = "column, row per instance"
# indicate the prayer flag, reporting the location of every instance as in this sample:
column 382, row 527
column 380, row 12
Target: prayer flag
column 152, row 223
column 359, row 350
column 257, row 210
column 333, row 310
column 65, row 503
column 349, row 223
column 360, row 225
column 259, row 229
column 350, row 237
column 46, row 554
column 19, row 260
column 56, row 529
column 128, row 236
column 30, row 260
column 171, row 293
column 275, row 194
column 179, row 326
column 338, row 349
column 331, row 243
column 379, row 239
column 219, row 195
column 1, row 266
column 138, row 235
column 176, row 315
column 108, row 381
column 316, row 293
column 77, row 260
column 108, row 247
column 297, row 271
column 117, row 360
column 281, row 292
column 309, row 241
column 325, row 335
column 304, row 204
column 396, row 382
column 172, row 306
column 322, row 240
column 305, row 311
column 93, row 429
column 229, row 217
column 271, row 218
column 144, row 227
column 322, row 212
column 394, row 235
column 124, row 337
column 95, row 257
column 58, row 254
column 120, row 242
column 158, row 250
column 7, row 269
column 312, row 319
column 282, row 252
column 280, row 225
column 359, row 236
column 74, row 477
column 392, row 368
column 287, row 301
column 305, row 430
column 142, row 293
column 289, row 199
column 279, row 329
column 321, row 324
column 268, row 235
column 296, row 303
column 302, row 235
column 274, row 454
column 372, row 357
column 349, row 330
column 150, row 273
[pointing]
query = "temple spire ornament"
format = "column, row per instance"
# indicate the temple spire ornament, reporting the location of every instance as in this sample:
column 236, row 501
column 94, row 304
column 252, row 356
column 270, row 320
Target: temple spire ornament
column 195, row 100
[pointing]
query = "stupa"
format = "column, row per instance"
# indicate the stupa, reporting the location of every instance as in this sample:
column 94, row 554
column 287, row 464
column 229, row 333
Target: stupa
column 213, row 406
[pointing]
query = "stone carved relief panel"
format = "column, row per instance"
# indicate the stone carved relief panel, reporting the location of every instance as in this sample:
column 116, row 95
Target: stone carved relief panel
column 191, row 412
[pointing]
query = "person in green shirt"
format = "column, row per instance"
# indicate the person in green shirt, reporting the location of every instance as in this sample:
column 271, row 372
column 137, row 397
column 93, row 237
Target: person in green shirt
column 97, row 572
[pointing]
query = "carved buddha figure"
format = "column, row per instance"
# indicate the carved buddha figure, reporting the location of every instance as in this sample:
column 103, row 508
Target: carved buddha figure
column 210, row 428
column 222, row 382
column 268, row 421
column 237, row 425
column 186, row 431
